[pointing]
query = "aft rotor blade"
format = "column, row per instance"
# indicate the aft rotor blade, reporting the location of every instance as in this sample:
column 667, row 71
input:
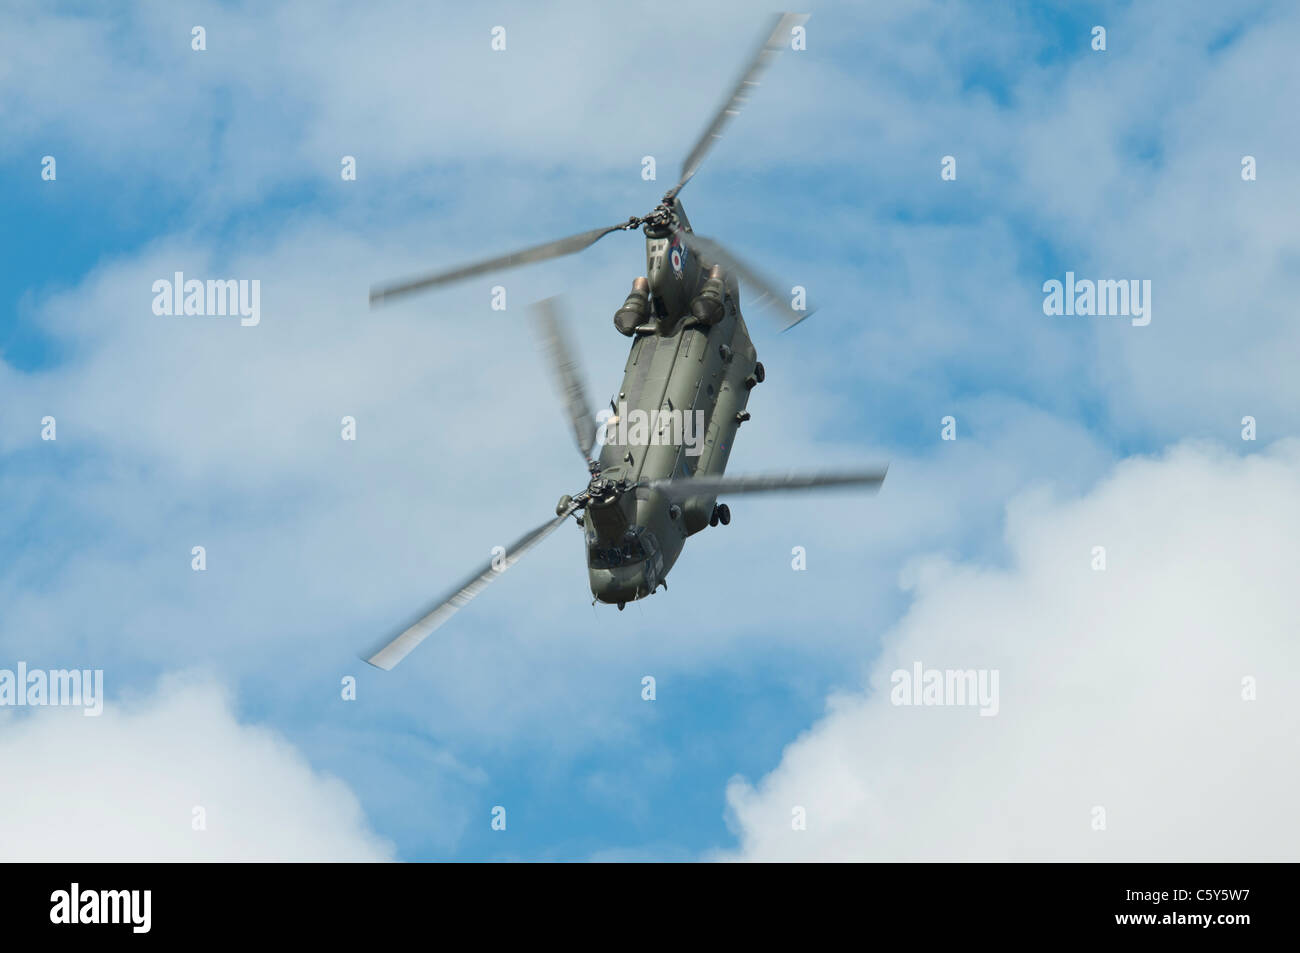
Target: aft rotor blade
column 767, row 294
column 567, row 375
column 684, row 488
column 777, row 39
column 381, row 294
column 393, row 652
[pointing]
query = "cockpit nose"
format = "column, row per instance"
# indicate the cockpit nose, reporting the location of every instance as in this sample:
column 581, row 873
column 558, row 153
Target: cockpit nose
column 622, row 570
column 624, row 584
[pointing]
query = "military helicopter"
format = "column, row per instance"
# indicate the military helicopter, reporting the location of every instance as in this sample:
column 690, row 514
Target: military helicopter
column 691, row 361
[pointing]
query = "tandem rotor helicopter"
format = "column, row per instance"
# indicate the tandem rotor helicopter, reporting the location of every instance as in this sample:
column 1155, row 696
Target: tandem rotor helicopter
column 691, row 358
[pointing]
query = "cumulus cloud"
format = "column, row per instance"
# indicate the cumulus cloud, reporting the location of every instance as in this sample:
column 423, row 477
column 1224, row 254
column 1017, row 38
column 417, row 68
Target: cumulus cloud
column 125, row 786
column 1120, row 689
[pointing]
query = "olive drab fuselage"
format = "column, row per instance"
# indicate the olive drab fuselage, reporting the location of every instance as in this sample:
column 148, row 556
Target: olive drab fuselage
column 690, row 352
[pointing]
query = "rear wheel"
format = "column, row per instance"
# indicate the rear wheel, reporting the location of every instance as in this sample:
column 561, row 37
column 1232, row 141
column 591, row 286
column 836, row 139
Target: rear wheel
column 759, row 374
column 724, row 514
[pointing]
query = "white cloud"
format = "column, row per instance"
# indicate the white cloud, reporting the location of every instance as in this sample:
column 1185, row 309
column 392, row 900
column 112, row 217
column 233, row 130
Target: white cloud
column 1120, row 689
column 123, row 787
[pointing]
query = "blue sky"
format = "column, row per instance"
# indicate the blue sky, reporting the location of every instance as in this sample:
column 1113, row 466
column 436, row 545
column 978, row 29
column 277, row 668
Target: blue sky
column 175, row 432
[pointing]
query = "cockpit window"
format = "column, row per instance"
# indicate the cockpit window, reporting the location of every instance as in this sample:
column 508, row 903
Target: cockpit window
column 635, row 546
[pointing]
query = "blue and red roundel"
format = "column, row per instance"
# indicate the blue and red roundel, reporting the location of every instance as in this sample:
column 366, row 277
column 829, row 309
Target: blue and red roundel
column 677, row 256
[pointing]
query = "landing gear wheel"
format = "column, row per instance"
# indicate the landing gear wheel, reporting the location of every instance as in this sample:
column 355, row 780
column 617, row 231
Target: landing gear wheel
column 759, row 374
column 724, row 514
column 713, row 517
column 621, row 605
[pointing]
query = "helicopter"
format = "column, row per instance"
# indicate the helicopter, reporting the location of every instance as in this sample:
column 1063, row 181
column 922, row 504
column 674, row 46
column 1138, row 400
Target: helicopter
column 691, row 362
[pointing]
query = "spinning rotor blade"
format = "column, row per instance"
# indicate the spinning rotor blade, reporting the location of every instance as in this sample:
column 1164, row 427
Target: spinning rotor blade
column 381, row 294
column 683, row 488
column 567, row 375
column 390, row 654
column 777, row 39
column 768, row 294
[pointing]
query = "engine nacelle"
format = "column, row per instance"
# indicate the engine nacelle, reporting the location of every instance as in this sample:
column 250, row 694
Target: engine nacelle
column 707, row 308
column 635, row 309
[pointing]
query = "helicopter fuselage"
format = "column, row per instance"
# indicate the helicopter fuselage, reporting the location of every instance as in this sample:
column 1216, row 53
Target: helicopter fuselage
column 688, row 361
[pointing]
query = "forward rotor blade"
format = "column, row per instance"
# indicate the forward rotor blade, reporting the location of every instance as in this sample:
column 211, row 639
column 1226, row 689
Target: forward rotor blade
column 393, row 652
column 381, row 294
column 684, row 488
column 768, row 295
column 567, row 376
column 777, row 39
